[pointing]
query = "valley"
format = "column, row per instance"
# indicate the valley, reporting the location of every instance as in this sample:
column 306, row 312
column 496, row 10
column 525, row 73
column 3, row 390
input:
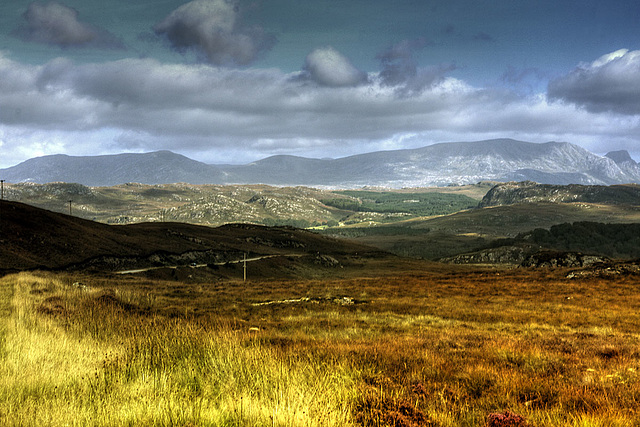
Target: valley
column 217, row 204
column 431, row 223
column 139, row 307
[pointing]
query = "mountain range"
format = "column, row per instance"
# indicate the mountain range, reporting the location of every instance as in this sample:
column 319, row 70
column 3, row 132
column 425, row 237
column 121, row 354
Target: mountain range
column 453, row 163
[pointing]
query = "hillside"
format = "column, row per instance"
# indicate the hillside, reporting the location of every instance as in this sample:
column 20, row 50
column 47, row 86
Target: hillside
column 530, row 192
column 35, row 238
column 434, row 165
column 471, row 230
column 258, row 204
column 611, row 240
column 575, row 244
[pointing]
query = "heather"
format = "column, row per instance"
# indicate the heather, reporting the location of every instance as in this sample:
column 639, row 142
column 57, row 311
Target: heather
column 420, row 348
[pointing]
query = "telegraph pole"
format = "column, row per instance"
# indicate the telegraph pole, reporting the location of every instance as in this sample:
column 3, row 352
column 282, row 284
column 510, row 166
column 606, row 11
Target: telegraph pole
column 1, row 200
column 244, row 267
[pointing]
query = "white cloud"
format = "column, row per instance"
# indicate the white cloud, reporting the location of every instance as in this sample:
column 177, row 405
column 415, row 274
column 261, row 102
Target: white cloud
column 328, row 67
column 610, row 83
column 144, row 105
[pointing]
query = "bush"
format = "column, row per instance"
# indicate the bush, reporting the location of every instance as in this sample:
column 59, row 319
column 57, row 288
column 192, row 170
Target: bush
column 506, row 419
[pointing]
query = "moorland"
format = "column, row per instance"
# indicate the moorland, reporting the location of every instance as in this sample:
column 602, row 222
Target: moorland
column 160, row 322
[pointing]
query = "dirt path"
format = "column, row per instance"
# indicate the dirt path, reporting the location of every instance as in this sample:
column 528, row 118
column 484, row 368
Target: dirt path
column 142, row 270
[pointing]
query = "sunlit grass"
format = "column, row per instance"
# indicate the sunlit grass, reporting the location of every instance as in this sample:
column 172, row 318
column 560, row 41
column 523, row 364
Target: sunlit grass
column 81, row 362
column 435, row 350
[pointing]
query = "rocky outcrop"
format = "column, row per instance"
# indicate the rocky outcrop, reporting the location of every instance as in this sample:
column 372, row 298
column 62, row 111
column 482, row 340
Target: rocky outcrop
column 526, row 256
column 561, row 259
column 158, row 259
column 511, row 255
column 510, row 193
column 607, row 270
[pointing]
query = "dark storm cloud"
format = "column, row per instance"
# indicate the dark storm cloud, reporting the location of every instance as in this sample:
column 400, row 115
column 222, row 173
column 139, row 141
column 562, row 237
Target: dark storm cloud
column 328, row 67
column 212, row 28
column 400, row 69
column 610, row 83
column 57, row 24
column 398, row 64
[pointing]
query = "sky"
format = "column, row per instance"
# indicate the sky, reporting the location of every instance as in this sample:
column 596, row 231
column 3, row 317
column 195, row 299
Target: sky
column 234, row 81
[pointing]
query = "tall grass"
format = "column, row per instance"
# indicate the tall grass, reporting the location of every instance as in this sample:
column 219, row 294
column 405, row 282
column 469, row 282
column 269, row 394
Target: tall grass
column 75, row 357
column 415, row 350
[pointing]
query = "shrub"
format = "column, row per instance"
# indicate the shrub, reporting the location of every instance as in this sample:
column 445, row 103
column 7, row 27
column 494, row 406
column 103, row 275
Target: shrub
column 506, row 419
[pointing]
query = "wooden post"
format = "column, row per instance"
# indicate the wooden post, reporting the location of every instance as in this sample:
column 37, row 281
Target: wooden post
column 70, row 207
column 1, row 199
column 244, row 268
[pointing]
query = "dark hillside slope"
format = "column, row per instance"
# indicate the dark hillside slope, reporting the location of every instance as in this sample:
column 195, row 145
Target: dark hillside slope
column 611, row 240
column 511, row 193
column 36, row 238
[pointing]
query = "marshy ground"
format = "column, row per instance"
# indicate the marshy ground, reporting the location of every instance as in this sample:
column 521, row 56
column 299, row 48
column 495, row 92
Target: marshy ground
column 421, row 347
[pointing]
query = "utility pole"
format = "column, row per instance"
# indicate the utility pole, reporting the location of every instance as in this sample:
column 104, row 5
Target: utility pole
column 1, row 200
column 244, row 267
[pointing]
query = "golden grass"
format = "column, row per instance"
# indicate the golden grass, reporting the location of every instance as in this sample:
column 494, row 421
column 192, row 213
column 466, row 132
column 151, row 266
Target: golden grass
column 417, row 349
column 80, row 358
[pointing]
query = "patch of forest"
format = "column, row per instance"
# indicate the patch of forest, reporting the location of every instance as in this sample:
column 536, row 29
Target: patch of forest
column 612, row 240
column 415, row 204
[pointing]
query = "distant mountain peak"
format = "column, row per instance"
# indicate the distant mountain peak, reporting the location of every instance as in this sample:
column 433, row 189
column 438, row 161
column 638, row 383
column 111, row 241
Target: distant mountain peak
column 620, row 156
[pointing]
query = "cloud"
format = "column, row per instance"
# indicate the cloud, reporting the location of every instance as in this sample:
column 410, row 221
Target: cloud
column 213, row 29
column 57, row 24
column 328, row 67
column 400, row 70
column 397, row 61
column 212, row 112
column 610, row 83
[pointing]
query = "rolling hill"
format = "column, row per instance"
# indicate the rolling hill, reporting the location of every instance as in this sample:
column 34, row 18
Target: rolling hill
column 32, row 238
column 530, row 192
column 471, row 230
column 259, row 204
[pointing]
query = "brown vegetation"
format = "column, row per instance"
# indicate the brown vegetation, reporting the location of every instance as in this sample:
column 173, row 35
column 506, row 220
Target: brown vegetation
column 418, row 348
column 35, row 238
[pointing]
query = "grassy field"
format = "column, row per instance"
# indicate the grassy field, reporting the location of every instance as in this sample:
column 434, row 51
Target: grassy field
column 413, row 204
column 466, row 231
column 422, row 348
